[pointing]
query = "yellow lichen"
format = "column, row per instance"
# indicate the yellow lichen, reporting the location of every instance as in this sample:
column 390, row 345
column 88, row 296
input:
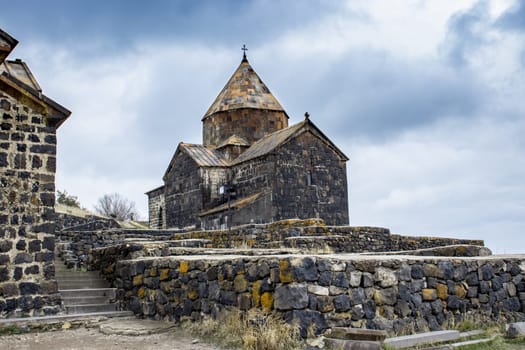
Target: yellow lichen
column 164, row 274
column 184, row 267
column 255, row 293
column 285, row 271
column 267, row 301
column 137, row 280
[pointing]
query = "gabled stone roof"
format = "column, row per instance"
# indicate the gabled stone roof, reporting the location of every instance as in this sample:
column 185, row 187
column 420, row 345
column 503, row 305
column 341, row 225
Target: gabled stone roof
column 19, row 70
column 202, row 155
column 7, row 44
column 270, row 142
column 244, row 90
column 17, row 80
column 234, row 140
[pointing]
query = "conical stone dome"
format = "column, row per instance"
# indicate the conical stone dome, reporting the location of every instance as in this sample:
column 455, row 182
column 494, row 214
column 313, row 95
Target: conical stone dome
column 245, row 107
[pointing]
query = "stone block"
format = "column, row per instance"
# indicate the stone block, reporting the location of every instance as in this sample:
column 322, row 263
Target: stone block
column 429, row 294
column 442, row 291
column 385, row 277
column 138, row 280
column 285, row 271
column 516, row 330
column 240, row 283
column 324, row 304
column 244, row 301
column 386, row 296
column 358, row 334
column 307, row 319
column 23, row 258
column 304, row 269
column 5, row 246
column 317, row 290
column 28, row 288
column 342, row 303
column 291, row 296
column 352, row 344
column 267, row 301
column 421, row 338
column 355, row 278
column 358, row 312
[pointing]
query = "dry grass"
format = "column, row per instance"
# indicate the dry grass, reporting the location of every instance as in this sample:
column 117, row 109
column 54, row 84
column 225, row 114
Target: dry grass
column 250, row 331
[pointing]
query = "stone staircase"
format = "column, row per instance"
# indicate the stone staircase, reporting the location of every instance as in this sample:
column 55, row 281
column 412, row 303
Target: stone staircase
column 85, row 292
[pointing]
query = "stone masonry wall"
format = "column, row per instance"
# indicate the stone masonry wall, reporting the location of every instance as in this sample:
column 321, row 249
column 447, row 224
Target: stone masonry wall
column 183, row 193
column 69, row 222
column 27, row 198
column 307, row 235
column 249, row 123
column 398, row 294
column 310, row 181
column 156, row 208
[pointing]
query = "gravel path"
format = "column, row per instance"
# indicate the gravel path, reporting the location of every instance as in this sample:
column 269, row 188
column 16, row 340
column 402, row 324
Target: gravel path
column 91, row 338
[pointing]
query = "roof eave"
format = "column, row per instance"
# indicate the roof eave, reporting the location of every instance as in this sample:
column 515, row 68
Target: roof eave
column 53, row 111
column 6, row 50
column 208, row 115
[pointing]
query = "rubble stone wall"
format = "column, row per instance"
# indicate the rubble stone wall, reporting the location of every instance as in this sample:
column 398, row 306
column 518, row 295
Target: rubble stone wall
column 307, row 235
column 27, row 198
column 397, row 294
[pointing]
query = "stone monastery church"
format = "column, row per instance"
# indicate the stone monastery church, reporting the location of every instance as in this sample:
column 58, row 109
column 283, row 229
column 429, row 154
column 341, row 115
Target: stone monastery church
column 251, row 165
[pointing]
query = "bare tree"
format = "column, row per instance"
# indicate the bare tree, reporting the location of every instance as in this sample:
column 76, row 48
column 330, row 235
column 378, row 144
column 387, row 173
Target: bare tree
column 116, row 206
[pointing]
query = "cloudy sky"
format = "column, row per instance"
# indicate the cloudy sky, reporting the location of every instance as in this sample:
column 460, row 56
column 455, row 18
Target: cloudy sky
column 426, row 97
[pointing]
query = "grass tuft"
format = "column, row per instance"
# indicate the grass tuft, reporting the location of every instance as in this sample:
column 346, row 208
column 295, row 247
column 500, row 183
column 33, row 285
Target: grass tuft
column 251, row 330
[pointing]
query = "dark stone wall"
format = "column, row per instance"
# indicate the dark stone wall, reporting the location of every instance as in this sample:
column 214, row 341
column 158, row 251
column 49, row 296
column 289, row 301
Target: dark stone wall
column 183, row 193
column 310, row 181
column 212, row 180
column 251, row 124
column 157, row 208
column 398, row 294
column 66, row 221
column 27, row 198
column 256, row 212
column 254, row 176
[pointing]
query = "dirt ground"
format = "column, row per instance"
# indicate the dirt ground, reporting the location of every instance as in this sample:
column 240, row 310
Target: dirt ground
column 91, row 338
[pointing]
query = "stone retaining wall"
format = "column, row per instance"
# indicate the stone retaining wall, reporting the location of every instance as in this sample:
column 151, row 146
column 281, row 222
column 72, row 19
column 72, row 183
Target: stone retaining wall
column 308, row 235
column 69, row 222
column 398, row 294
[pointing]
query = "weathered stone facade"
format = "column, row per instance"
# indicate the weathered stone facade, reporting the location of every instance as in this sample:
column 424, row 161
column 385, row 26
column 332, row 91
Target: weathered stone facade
column 28, row 124
column 251, row 124
column 274, row 171
column 157, row 207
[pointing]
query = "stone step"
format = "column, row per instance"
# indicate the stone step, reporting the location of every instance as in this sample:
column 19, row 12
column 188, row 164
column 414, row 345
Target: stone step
column 421, row 338
column 82, row 285
column 190, row 243
column 461, row 345
column 90, row 308
column 352, row 344
column 92, row 292
column 83, row 300
column 76, row 278
column 357, row 334
column 63, row 317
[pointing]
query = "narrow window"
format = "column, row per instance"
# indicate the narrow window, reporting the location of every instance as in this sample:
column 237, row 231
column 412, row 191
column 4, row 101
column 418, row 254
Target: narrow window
column 309, row 178
column 160, row 224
